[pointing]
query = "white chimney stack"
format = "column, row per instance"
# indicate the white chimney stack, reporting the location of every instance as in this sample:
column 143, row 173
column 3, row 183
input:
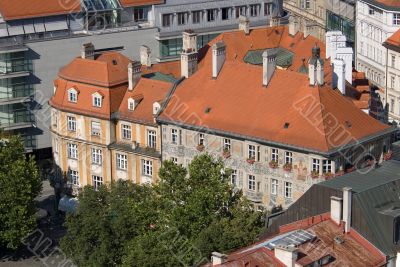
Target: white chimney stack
column 329, row 37
column 217, row 258
column 244, row 24
column 145, row 56
column 292, row 26
column 269, row 64
column 316, row 67
column 336, row 42
column 218, row 58
column 87, row 51
column 347, row 197
column 286, row 254
column 346, row 54
column 189, row 54
column 134, row 74
column 336, row 209
column 338, row 75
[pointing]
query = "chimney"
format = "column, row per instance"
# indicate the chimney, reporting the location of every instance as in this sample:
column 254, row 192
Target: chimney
column 292, row 26
column 316, row 67
column 338, row 75
column 269, row 64
column 286, row 254
column 336, row 42
column 346, row 54
column 217, row 258
column 189, row 54
column 218, row 58
column 347, row 197
column 145, row 56
column 244, row 24
column 336, row 209
column 87, row 51
column 328, row 40
column 274, row 21
column 134, row 74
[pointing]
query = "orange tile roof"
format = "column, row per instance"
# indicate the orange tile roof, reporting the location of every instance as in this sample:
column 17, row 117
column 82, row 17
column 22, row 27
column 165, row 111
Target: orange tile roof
column 240, row 104
column 172, row 67
column 389, row 3
column 129, row 3
column 22, row 9
column 394, row 40
column 109, row 69
column 150, row 91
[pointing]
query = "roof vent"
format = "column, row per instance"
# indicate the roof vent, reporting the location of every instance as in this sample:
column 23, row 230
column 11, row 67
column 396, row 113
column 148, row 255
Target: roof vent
column 207, row 110
column 286, row 126
column 114, row 62
column 338, row 240
column 348, row 124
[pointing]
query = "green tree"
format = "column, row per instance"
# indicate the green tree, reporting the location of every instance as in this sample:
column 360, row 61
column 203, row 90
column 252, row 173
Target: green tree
column 20, row 183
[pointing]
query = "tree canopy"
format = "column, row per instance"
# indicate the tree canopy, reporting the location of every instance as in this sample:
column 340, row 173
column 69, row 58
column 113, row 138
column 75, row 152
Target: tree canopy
column 178, row 222
column 20, row 183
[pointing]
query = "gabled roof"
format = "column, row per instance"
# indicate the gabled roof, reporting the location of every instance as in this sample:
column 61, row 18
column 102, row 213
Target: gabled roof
column 107, row 70
column 129, row 3
column 393, row 42
column 240, row 105
column 22, row 9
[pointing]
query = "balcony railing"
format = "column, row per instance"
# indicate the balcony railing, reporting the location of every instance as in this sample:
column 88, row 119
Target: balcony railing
column 16, row 91
column 15, row 65
column 17, row 119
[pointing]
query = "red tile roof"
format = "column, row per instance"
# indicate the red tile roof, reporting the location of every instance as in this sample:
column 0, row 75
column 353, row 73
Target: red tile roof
column 22, row 9
column 389, row 3
column 240, row 104
column 394, row 40
column 129, row 3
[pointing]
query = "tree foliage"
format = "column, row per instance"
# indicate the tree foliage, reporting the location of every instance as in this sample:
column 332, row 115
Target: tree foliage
column 177, row 222
column 20, row 183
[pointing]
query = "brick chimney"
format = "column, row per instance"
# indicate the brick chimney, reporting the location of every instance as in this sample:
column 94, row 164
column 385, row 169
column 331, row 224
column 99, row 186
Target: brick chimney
column 338, row 75
column 189, row 55
column 87, row 51
column 244, row 24
column 316, row 67
column 134, row 74
column 145, row 56
column 218, row 58
column 269, row 64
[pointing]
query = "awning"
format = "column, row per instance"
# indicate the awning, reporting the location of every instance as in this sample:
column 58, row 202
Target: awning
column 56, row 24
column 39, row 25
column 68, row 204
column 28, row 27
column 15, row 28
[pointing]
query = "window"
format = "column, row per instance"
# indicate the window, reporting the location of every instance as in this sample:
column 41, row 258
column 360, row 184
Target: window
column 181, row 18
column 234, row 177
column 122, row 162
column 174, row 136
column 72, row 95
column 126, row 132
column 326, row 166
column 151, row 139
column 166, row 20
column 305, row 4
column 288, row 190
column 371, row 10
column 74, row 177
column 225, row 13
column 227, row 144
column 254, row 10
column 55, row 146
column 240, row 11
column 210, row 15
column 97, row 156
column 315, row 165
column 201, row 139
column 96, row 128
column 97, row 100
column 147, row 167
column 274, row 154
column 267, row 9
column 72, row 151
column 97, row 182
column 131, row 104
column 252, row 182
column 174, row 160
column 393, row 61
column 71, row 123
column 54, row 116
column 139, row 14
column 252, row 152
column 274, row 187
column 288, row 157
column 396, row 19
column 196, row 15
column 392, row 82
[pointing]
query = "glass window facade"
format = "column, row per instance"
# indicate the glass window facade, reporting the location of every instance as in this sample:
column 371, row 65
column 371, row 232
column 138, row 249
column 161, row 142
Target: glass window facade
column 335, row 22
column 173, row 47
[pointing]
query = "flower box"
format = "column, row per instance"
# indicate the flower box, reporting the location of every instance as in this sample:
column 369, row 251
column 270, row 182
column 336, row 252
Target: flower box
column 273, row 164
column 339, row 173
column 251, row 160
column 226, row 153
column 314, row 174
column 200, row 148
column 388, row 155
column 287, row 167
column 328, row 175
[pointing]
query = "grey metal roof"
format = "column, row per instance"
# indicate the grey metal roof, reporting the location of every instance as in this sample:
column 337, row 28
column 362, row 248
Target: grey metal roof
column 389, row 171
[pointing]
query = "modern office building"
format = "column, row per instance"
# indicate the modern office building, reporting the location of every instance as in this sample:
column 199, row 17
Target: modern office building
column 38, row 37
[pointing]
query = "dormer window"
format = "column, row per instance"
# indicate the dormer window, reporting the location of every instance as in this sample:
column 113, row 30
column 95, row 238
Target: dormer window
column 131, row 104
column 73, row 95
column 97, row 99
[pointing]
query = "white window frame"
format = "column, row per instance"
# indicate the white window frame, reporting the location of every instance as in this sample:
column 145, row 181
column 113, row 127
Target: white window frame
column 97, row 156
column 396, row 18
column 316, row 165
column 71, row 123
column 274, row 187
column 151, row 139
column 254, row 10
column 288, row 157
column 147, row 167
column 174, row 160
column 234, row 176
column 201, row 140
column 126, row 131
column 251, row 151
column 131, row 104
column 227, row 144
column 95, row 128
column 97, row 181
column 122, row 161
column 97, row 100
column 274, row 154
column 251, row 182
column 326, row 166
column 196, row 16
column 74, row 177
column 174, row 136
column 72, row 95
column 72, row 151
column 288, row 190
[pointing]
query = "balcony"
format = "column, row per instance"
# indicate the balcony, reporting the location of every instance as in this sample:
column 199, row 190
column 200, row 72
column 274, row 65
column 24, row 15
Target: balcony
column 16, row 119
column 15, row 93
column 13, row 68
